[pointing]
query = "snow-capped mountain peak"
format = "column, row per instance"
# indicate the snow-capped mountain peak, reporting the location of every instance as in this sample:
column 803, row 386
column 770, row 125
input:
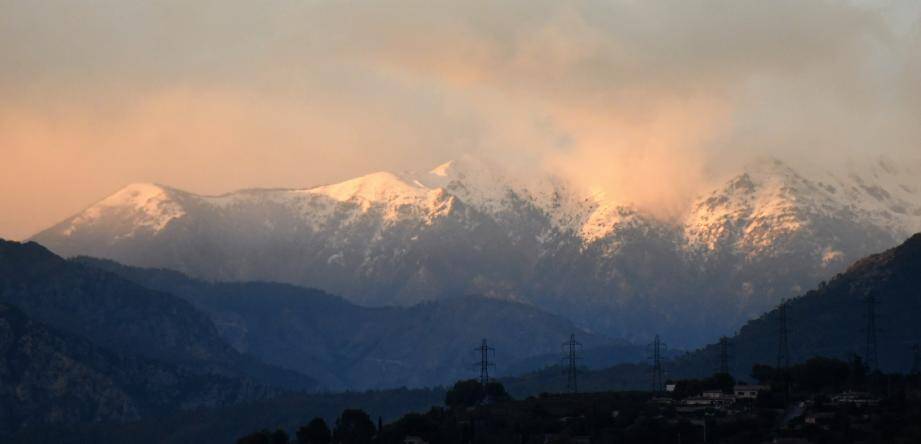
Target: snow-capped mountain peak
column 770, row 202
column 477, row 182
column 149, row 207
column 468, row 227
column 374, row 188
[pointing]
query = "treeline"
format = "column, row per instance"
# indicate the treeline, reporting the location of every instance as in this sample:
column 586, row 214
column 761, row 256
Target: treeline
column 474, row 413
column 354, row 426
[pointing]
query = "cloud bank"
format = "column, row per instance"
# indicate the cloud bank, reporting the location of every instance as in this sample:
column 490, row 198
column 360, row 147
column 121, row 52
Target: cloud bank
column 648, row 101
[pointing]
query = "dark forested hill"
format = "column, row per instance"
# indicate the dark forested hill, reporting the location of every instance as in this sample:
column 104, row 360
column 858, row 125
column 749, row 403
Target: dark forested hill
column 832, row 319
column 123, row 317
column 47, row 377
column 227, row 424
column 345, row 345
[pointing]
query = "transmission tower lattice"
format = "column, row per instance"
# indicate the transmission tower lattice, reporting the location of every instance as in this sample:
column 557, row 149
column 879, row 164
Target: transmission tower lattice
column 783, row 344
column 871, row 356
column 484, row 363
column 724, row 356
column 571, row 349
column 656, row 350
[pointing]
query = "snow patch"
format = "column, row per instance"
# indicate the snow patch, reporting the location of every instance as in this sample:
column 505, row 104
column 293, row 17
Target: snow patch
column 149, row 206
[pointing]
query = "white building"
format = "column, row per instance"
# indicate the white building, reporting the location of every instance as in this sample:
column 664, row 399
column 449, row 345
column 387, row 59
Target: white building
column 747, row 391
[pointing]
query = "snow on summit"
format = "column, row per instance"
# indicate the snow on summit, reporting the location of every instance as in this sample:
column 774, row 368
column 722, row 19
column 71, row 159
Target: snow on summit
column 470, row 227
column 148, row 205
column 375, row 187
column 765, row 202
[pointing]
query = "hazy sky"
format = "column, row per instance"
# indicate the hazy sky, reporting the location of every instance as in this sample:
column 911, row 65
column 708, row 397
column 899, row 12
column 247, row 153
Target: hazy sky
column 647, row 99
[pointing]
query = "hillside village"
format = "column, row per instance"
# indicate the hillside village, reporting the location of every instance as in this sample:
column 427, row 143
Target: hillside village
column 819, row 401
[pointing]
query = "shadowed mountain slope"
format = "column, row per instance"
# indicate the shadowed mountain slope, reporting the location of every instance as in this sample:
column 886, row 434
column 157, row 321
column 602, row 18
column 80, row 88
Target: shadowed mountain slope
column 345, row 345
column 123, row 317
column 830, row 321
column 47, row 377
column 769, row 232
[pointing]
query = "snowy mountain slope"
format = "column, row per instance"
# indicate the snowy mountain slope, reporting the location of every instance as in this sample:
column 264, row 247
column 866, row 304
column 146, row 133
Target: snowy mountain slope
column 771, row 230
column 770, row 201
column 470, row 227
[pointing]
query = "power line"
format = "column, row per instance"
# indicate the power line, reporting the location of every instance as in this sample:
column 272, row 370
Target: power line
column 724, row 356
column 656, row 350
column 571, row 350
column 484, row 363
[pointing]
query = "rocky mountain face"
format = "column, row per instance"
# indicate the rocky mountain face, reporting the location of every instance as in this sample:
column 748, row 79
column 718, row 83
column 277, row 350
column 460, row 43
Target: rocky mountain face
column 122, row 317
column 467, row 227
column 344, row 345
column 48, row 377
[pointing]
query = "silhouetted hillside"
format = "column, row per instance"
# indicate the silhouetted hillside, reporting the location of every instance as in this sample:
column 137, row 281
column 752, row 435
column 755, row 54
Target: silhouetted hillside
column 225, row 425
column 831, row 320
column 121, row 316
column 345, row 345
column 47, row 377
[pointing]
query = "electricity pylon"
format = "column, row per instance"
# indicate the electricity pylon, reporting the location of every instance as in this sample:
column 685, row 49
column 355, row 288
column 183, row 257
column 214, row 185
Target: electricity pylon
column 656, row 350
column 571, row 349
column 484, row 363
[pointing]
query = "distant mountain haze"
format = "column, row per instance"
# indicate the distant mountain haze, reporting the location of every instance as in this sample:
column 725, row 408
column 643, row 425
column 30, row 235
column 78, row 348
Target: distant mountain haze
column 348, row 346
column 468, row 227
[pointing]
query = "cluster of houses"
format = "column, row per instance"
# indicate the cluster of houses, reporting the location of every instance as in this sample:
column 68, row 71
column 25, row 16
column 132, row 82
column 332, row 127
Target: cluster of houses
column 824, row 414
column 698, row 409
column 715, row 399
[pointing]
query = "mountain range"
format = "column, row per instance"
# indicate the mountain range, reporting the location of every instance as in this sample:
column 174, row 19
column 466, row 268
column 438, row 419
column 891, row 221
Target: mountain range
column 829, row 321
column 88, row 340
column 344, row 345
column 468, row 227
column 122, row 317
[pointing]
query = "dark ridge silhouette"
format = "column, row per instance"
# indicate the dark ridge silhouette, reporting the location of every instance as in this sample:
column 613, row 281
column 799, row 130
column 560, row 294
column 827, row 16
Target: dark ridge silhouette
column 344, row 345
column 123, row 317
column 51, row 378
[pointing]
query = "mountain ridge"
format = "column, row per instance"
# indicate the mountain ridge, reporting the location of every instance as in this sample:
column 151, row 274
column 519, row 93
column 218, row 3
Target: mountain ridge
column 54, row 378
column 122, row 317
column 466, row 227
column 348, row 346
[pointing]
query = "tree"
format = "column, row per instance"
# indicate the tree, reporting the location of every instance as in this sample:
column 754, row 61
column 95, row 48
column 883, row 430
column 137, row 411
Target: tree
column 354, row 427
column 470, row 392
column 721, row 381
column 858, row 372
column 466, row 393
column 764, row 374
column 255, row 438
column 424, row 426
column 315, row 432
column 495, row 392
column 265, row 437
column 279, row 437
